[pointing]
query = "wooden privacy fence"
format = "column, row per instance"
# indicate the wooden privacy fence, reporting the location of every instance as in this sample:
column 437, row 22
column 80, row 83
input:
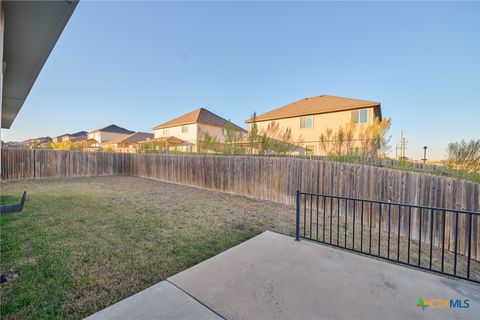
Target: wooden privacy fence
column 19, row 163
column 268, row 178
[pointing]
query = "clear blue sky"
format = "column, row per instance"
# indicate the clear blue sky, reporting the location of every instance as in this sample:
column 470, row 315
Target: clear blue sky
column 138, row 64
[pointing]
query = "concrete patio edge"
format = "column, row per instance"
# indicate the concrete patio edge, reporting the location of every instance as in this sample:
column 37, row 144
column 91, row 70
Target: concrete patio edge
column 160, row 301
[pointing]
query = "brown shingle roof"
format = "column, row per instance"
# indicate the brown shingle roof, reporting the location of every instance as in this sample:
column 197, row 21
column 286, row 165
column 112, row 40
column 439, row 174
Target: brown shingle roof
column 113, row 128
column 73, row 135
column 199, row 115
column 315, row 105
column 131, row 138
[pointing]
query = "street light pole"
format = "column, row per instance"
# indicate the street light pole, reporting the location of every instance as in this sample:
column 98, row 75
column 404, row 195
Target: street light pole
column 424, row 154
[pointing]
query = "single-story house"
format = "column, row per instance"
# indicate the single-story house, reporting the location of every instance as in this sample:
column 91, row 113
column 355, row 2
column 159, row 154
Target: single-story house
column 128, row 143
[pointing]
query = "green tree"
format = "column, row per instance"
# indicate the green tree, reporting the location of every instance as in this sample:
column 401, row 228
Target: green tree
column 253, row 133
column 148, row 147
column 66, row 145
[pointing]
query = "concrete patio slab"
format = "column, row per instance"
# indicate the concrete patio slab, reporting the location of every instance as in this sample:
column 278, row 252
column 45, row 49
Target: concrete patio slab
column 274, row 277
column 161, row 301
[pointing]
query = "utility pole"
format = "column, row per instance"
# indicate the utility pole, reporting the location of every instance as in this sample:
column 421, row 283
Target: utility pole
column 402, row 146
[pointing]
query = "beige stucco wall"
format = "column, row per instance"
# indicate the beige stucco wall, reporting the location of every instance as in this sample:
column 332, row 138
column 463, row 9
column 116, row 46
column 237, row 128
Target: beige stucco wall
column 215, row 132
column 311, row 136
column 190, row 136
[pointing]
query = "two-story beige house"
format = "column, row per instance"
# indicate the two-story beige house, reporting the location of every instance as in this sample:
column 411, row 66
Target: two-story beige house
column 308, row 118
column 185, row 132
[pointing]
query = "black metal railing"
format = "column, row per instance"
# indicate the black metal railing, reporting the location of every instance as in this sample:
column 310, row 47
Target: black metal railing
column 440, row 240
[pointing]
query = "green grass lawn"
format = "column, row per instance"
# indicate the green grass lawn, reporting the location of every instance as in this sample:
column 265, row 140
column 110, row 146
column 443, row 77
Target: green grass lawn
column 8, row 199
column 83, row 244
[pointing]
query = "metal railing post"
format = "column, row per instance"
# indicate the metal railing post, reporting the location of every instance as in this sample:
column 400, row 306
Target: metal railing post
column 297, row 219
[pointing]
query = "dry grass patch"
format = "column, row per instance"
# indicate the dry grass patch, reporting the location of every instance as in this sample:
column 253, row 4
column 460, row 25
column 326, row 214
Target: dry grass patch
column 82, row 244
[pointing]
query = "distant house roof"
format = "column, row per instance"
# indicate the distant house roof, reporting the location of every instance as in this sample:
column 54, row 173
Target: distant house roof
column 39, row 140
column 113, row 128
column 315, row 105
column 81, row 139
column 131, row 138
column 199, row 115
column 78, row 134
column 73, row 135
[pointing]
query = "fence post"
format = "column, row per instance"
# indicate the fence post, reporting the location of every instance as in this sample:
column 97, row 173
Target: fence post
column 297, row 219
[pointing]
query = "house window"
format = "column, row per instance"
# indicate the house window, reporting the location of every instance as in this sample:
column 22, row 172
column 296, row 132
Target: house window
column 165, row 132
column 184, row 129
column 309, row 149
column 360, row 116
column 224, row 132
column 306, row 122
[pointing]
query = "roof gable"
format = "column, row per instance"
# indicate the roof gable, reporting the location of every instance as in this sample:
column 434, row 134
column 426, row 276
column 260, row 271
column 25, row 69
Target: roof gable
column 76, row 134
column 187, row 118
column 73, row 135
column 315, row 105
column 113, row 128
column 199, row 115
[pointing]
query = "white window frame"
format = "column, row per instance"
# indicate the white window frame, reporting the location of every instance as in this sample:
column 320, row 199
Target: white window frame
column 305, row 122
column 164, row 132
column 356, row 115
column 184, row 129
